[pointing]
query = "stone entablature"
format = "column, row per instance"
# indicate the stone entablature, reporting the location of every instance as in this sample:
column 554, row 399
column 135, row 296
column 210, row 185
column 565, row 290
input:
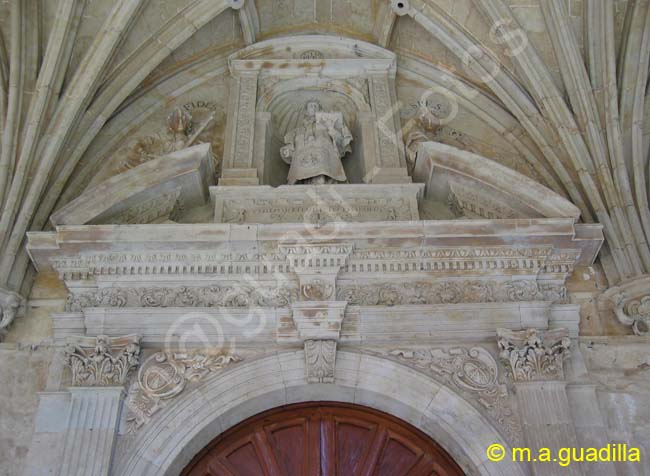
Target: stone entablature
column 463, row 247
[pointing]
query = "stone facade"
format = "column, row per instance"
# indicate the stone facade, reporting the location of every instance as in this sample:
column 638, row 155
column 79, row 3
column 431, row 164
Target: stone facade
column 470, row 256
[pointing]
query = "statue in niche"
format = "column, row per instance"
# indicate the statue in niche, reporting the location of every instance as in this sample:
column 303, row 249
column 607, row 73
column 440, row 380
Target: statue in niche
column 182, row 132
column 315, row 148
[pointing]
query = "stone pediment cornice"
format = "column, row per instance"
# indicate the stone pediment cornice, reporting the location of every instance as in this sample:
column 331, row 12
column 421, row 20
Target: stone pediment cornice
column 465, row 248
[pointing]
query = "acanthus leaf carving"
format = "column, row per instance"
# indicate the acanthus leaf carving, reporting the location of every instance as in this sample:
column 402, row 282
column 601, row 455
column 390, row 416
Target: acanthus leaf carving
column 320, row 360
column 101, row 361
column 531, row 355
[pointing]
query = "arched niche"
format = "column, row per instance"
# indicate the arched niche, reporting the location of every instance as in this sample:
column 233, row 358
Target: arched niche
column 271, row 78
column 281, row 106
column 168, row 443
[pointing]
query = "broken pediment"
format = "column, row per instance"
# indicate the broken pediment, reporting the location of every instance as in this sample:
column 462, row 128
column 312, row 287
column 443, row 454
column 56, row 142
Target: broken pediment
column 149, row 193
column 475, row 187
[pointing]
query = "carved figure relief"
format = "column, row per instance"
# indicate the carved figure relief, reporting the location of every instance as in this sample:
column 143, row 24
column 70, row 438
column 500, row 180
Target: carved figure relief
column 315, row 148
column 426, row 125
column 192, row 124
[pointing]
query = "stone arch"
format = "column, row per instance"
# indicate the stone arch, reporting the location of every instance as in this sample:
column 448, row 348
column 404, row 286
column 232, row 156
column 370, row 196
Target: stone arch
column 168, row 443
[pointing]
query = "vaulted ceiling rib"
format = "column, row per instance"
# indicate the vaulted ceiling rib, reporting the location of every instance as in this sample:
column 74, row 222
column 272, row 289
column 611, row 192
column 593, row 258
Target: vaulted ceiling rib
column 587, row 140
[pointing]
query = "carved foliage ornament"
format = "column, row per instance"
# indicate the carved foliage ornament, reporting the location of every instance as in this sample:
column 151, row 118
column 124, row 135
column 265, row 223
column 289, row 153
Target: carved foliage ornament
column 165, row 375
column 320, row 360
column 449, row 292
column 531, row 355
column 101, row 361
column 234, row 295
column 473, row 371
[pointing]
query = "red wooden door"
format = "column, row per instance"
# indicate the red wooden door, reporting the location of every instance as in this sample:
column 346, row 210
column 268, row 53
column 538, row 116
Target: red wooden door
column 323, row 439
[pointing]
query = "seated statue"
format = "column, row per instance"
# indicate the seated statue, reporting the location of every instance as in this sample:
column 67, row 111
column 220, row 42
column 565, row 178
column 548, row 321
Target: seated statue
column 315, row 148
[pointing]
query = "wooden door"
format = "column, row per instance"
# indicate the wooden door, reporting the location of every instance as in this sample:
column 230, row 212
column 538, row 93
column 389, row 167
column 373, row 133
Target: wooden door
column 323, row 439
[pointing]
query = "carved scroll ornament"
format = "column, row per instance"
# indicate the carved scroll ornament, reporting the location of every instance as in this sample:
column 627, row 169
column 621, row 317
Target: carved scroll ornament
column 630, row 302
column 473, row 371
column 165, row 375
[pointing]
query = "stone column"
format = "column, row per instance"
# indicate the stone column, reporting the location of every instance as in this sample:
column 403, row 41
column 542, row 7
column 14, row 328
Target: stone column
column 535, row 361
column 100, row 367
column 238, row 164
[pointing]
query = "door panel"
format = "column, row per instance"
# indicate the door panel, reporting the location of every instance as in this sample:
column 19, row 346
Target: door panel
column 323, row 439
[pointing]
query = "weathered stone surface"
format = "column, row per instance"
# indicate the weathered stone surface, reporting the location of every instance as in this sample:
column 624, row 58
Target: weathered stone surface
column 522, row 123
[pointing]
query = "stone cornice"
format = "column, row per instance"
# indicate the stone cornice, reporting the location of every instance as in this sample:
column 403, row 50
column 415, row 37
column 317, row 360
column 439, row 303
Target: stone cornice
column 81, row 251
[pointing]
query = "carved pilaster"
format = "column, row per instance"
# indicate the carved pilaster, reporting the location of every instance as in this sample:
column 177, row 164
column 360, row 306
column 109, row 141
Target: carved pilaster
column 391, row 164
column 102, row 361
column 532, row 355
column 10, row 306
column 92, row 430
column 238, row 161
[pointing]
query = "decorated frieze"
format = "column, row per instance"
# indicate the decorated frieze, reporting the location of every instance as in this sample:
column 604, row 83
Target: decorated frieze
column 449, row 292
column 367, row 294
column 228, row 295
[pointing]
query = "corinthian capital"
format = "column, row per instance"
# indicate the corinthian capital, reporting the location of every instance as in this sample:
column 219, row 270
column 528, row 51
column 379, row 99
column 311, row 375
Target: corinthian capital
column 531, row 355
column 102, row 360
